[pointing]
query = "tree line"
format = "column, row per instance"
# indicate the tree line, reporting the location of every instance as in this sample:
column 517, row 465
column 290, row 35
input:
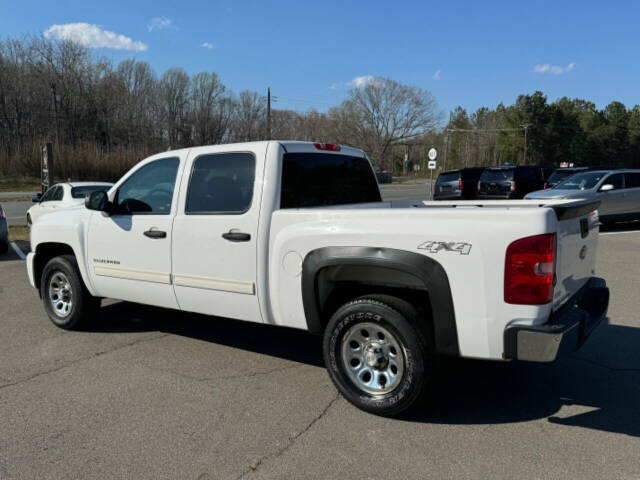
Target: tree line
column 103, row 117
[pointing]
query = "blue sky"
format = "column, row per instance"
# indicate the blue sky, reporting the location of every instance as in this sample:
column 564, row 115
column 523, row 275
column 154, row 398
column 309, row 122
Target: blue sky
column 466, row 53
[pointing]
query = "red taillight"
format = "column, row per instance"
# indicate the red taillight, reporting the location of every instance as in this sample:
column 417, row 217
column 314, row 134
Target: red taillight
column 460, row 184
column 327, row 146
column 513, row 186
column 546, row 185
column 435, row 188
column 529, row 269
column 478, row 186
column 1, row 212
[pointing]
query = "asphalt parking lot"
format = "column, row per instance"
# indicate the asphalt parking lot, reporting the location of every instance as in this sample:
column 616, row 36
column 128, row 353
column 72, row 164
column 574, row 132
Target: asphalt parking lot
column 156, row 394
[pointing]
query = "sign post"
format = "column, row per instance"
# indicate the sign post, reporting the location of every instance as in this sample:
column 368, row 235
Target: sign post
column 433, row 154
column 46, row 167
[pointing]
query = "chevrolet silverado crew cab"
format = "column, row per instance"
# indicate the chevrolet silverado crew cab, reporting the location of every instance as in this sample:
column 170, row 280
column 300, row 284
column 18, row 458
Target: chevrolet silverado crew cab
column 296, row 234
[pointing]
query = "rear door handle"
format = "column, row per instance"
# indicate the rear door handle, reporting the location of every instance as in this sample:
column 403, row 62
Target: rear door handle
column 235, row 236
column 155, row 234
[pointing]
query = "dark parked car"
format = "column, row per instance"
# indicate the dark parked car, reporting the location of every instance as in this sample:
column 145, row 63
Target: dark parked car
column 384, row 176
column 561, row 174
column 4, row 236
column 512, row 182
column 457, row 184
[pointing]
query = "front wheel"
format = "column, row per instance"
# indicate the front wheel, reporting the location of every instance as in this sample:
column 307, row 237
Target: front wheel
column 377, row 355
column 66, row 300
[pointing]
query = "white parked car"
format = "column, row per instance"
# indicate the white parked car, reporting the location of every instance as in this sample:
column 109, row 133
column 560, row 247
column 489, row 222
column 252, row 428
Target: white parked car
column 63, row 195
column 296, row 234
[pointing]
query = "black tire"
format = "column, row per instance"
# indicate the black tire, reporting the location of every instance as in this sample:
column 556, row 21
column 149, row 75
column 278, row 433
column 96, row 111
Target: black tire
column 3, row 247
column 83, row 309
column 398, row 318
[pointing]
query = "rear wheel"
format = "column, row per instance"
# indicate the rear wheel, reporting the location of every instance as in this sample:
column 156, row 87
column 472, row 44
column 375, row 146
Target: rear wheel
column 4, row 246
column 377, row 355
column 66, row 300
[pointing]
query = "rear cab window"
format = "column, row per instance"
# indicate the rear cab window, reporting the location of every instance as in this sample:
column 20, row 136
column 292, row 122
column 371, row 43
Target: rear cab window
column 324, row 179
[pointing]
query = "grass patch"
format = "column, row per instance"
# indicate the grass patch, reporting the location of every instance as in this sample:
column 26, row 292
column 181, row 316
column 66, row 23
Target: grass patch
column 14, row 199
column 16, row 184
column 18, row 233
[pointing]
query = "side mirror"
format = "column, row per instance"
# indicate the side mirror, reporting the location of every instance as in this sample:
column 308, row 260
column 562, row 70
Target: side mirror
column 37, row 198
column 607, row 187
column 98, row 201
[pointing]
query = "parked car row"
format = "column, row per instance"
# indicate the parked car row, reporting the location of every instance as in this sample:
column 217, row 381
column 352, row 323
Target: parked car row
column 618, row 190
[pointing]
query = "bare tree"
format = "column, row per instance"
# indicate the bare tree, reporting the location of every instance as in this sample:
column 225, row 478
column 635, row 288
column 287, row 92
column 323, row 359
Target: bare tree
column 249, row 117
column 211, row 108
column 173, row 102
column 384, row 112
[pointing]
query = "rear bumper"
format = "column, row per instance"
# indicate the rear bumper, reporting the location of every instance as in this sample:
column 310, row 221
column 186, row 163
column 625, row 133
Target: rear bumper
column 565, row 332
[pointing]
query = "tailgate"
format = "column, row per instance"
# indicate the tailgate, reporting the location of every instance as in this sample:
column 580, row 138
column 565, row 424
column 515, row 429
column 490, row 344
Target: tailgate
column 577, row 239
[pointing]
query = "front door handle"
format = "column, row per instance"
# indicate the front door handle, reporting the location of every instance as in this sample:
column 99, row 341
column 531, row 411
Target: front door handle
column 155, row 234
column 235, row 236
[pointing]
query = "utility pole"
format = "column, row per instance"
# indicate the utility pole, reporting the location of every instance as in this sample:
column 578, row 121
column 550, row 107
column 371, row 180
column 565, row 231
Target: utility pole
column 55, row 110
column 447, row 142
column 526, row 129
column 269, row 113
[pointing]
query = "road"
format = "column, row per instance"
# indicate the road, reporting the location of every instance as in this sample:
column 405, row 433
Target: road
column 158, row 394
column 17, row 211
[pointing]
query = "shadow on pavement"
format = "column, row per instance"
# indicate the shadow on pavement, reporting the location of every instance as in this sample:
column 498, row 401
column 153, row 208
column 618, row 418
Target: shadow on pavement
column 286, row 343
column 603, row 379
column 621, row 227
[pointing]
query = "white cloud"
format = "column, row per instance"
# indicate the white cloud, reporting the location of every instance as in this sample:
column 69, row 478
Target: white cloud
column 207, row 45
column 160, row 23
column 92, row 36
column 436, row 76
column 363, row 81
column 335, row 86
column 553, row 69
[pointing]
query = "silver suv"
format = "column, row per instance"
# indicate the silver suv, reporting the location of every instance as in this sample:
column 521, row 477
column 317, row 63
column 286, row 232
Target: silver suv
column 618, row 190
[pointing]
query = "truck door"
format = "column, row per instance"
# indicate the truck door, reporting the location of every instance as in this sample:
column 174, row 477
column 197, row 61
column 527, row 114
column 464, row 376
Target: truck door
column 129, row 251
column 215, row 232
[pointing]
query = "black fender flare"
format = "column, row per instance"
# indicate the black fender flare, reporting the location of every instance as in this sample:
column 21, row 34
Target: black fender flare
column 427, row 270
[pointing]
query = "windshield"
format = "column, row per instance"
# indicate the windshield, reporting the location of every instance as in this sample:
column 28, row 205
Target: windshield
column 448, row 177
column 85, row 191
column 558, row 176
column 496, row 175
column 581, row 181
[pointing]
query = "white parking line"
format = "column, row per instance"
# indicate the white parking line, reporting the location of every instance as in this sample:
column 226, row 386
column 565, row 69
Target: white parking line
column 617, row 233
column 19, row 252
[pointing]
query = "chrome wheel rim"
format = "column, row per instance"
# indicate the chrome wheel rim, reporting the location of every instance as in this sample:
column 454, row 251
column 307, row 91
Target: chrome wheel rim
column 60, row 294
column 372, row 358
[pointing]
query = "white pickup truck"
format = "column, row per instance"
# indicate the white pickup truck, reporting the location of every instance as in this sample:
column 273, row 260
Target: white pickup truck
column 296, row 234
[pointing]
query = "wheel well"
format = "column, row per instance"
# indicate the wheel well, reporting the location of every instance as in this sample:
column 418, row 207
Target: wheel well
column 44, row 253
column 331, row 275
column 336, row 285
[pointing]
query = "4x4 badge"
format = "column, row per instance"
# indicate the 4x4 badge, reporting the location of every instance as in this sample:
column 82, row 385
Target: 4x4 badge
column 434, row 247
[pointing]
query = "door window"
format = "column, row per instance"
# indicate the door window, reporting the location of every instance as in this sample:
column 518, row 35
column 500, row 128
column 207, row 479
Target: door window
column 221, row 183
column 632, row 180
column 149, row 190
column 615, row 180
